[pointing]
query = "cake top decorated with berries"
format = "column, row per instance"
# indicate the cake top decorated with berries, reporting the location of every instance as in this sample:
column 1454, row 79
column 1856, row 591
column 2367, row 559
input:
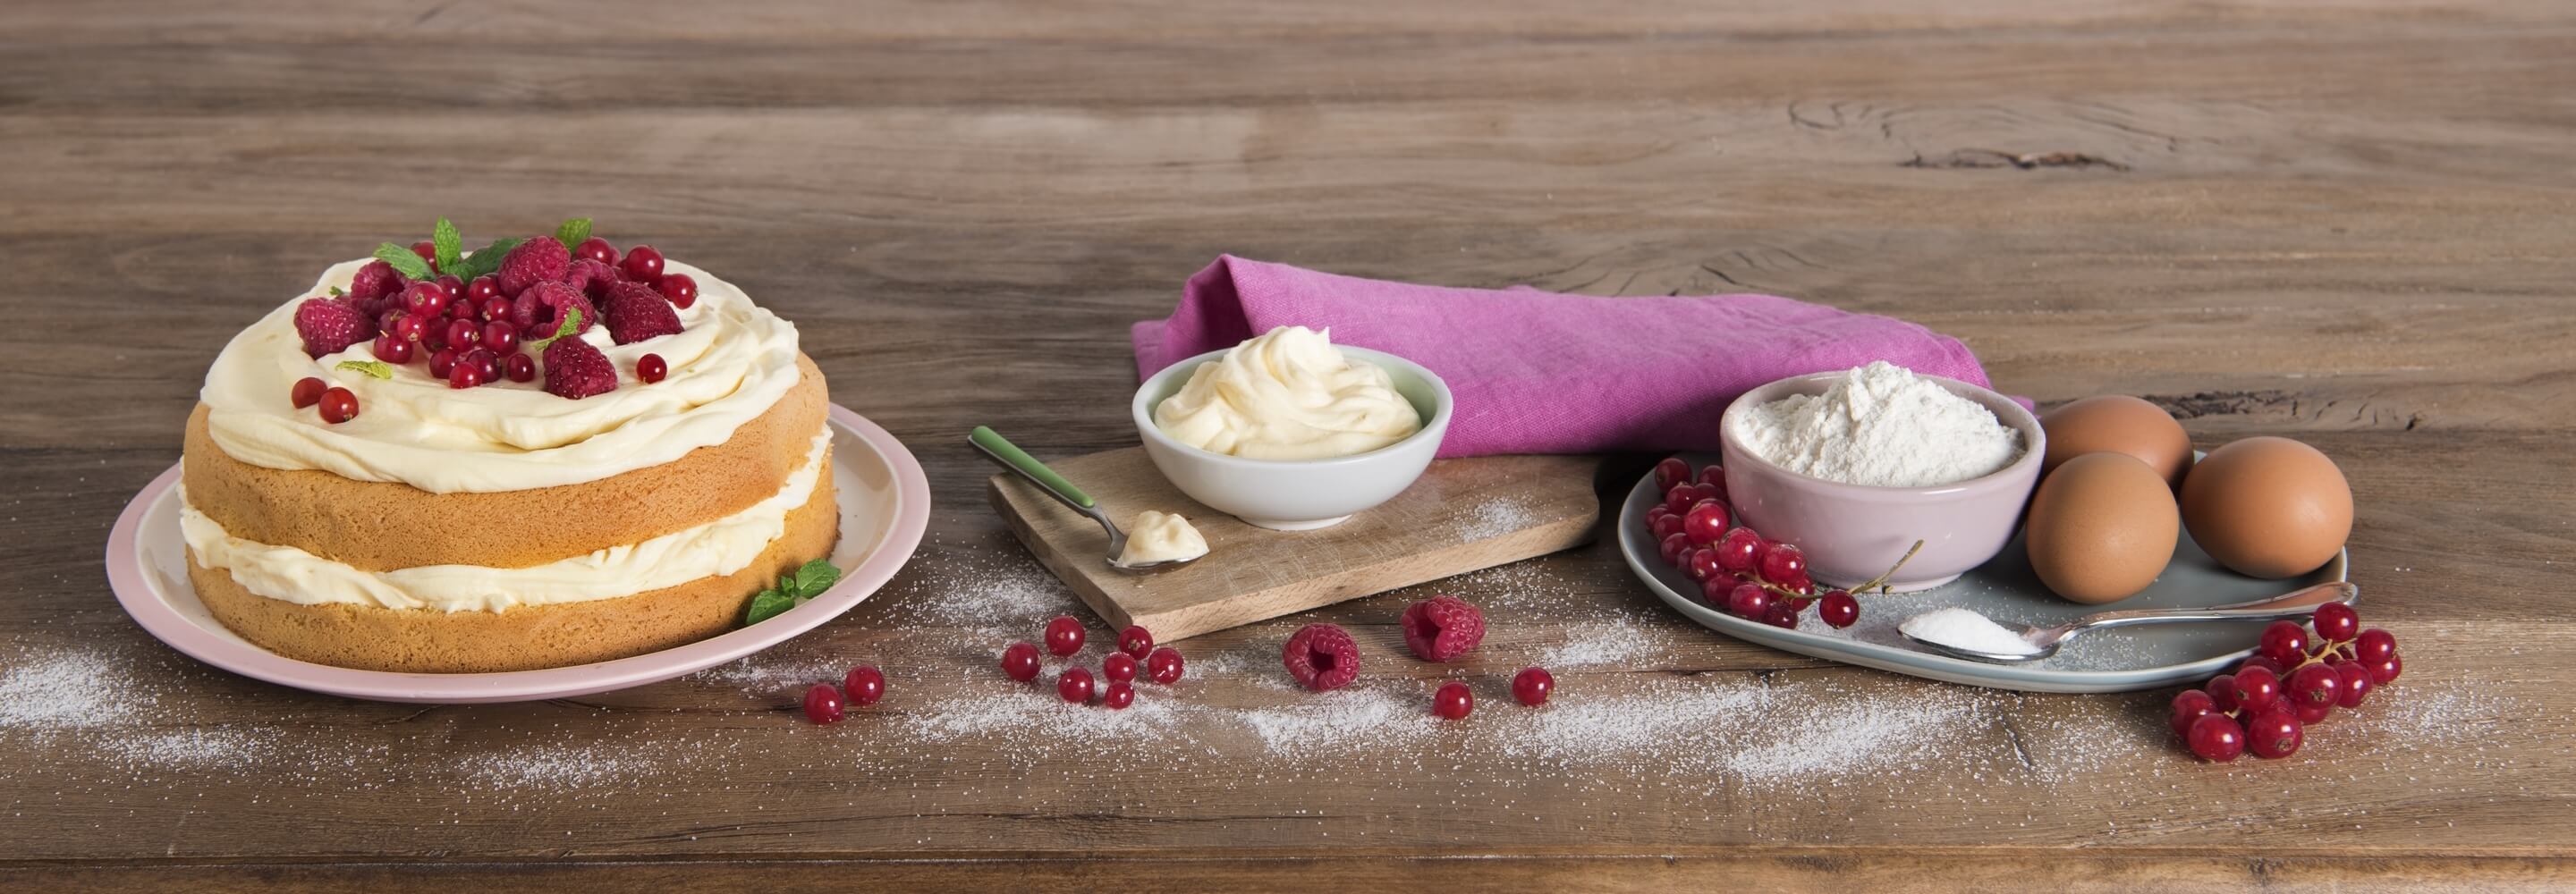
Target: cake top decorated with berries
column 527, row 363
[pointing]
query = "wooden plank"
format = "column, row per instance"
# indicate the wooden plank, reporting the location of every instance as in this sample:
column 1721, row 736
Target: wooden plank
column 1463, row 515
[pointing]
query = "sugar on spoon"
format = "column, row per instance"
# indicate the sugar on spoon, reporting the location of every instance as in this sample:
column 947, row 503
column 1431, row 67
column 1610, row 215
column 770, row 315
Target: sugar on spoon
column 2042, row 642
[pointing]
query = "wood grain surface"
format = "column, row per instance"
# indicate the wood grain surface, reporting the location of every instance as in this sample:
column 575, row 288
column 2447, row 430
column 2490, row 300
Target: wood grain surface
column 1462, row 515
column 2346, row 221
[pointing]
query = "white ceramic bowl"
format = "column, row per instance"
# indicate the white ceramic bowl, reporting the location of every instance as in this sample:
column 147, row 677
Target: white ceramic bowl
column 1303, row 494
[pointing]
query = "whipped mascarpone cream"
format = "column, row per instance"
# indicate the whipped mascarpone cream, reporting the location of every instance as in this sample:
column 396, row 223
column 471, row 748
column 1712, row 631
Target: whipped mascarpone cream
column 720, row 547
column 1161, row 537
column 1287, row 394
column 733, row 361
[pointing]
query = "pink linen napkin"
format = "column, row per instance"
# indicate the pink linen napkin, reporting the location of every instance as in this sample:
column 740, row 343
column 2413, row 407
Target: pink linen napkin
column 1541, row 372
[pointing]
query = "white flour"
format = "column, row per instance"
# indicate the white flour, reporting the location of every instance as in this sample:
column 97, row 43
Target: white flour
column 1881, row 426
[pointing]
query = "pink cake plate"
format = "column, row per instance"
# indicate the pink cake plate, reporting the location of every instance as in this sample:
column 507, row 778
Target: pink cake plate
column 885, row 506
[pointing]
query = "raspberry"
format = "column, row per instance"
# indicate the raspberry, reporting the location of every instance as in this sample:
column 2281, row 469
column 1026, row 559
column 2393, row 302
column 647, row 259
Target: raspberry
column 540, row 310
column 375, row 280
column 1322, row 657
column 1442, row 628
column 329, row 327
column 537, row 260
column 589, row 277
column 636, row 312
column 576, row 370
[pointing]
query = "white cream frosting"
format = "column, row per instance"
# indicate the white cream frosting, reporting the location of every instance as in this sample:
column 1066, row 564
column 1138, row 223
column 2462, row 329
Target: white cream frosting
column 717, row 548
column 730, row 364
column 1288, row 394
column 1161, row 537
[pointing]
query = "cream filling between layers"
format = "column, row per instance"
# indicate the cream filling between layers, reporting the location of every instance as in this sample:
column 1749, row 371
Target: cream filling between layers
column 718, row 548
column 730, row 364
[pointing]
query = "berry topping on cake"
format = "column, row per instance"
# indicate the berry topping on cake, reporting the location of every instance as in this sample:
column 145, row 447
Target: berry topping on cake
column 591, row 278
column 1442, row 628
column 375, row 280
column 329, row 327
column 543, row 307
column 1322, row 657
column 651, row 368
column 596, row 249
column 308, row 391
column 642, row 264
column 339, row 405
column 635, row 312
column 576, row 370
column 520, row 367
column 537, row 260
column 681, row 288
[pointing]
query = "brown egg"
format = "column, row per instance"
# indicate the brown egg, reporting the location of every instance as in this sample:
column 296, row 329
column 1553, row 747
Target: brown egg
column 2120, row 424
column 2101, row 528
column 2268, row 507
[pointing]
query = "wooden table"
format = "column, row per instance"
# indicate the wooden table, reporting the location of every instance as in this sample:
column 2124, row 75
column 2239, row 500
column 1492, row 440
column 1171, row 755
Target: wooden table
column 2346, row 221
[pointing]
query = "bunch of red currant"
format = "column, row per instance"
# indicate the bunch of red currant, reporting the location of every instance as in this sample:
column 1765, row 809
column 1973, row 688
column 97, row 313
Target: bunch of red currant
column 1739, row 571
column 2292, row 681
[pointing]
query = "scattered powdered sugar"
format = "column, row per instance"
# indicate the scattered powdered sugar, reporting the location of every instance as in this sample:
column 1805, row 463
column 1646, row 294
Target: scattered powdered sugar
column 1032, row 720
column 562, row 766
column 196, row 748
column 1650, row 722
column 766, row 673
column 1883, row 426
column 1495, row 518
column 1356, row 716
column 1590, row 645
column 1966, row 630
column 976, row 587
column 60, row 690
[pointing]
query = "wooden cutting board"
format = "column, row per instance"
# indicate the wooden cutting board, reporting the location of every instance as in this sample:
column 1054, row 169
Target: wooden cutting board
column 1463, row 515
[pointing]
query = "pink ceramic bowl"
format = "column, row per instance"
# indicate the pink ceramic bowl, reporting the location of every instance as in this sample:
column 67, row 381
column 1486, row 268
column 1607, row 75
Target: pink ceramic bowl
column 1851, row 533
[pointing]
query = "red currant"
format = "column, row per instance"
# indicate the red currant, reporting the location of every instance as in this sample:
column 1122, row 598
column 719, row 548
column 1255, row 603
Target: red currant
column 1452, row 701
column 482, row 289
column 1020, row 661
column 393, row 350
column 2285, row 642
column 2357, row 684
column 1748, row 601
column 1074, row 685
column 596, row 249
column 339, row 405
column 642, row 264
column 2222, row 690
column 1532, row 685
column 496, row 309
column 1672, row 547
column 1119, row 667
column 1671, row 473
column 1064, row 635
column 2189, row 705
column 1681, row 498
column 1665, row 525
column 2216, row 738
column 1838, row 609
column 2336, row 622
column 1701, row 564
column 425, row 300
column 1707, row 521
column 455, row 288
column 1713, row 475
column 2264, row 663
column 521, row 367
column 1783, row 614
column 307, row 391
column 2309, row 714
column 409, row 327
column 2273, row 734
column 463, row 334
column 1118, row 696
column 442, row 362
column 501, row 337
column 1737, row 551
column 2382, row 672
column 865, row 684
column 1136, row 641
column 427, row 250
column 465, row 375
column 2315, row 684
column 1783, row 563
column 484, row 361
column 2256, row 689
column 2374, row 646
column 823, row 704
column 651, row 368
column 1164, row 666
column 681, row 288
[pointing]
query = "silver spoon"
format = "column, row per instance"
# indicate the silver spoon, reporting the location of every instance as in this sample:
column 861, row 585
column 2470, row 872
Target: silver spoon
column 2044, row 641
column 1011, row 457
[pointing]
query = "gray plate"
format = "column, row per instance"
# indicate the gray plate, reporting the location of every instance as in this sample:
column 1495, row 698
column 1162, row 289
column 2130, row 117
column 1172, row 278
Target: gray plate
column 2116, row 660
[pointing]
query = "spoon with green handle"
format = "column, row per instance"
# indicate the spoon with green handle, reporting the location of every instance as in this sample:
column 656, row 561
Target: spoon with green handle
column 1010, row 456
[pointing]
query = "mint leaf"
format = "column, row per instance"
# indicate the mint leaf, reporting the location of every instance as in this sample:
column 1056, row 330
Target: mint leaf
column 816, row 577
column 484, row 261
column 769, row 604
column 446, row 244
column 571, row 324
column 403, row 260
column 573, row 231
column 374, row 369
column 336, row 291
